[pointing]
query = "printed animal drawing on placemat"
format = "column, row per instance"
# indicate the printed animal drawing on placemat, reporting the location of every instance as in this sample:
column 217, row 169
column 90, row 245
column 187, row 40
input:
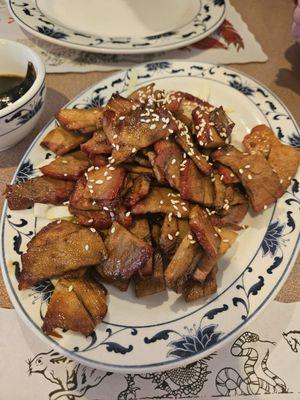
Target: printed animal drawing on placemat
column 293, row 339
column 73, row 379
column 259, row 379
column 176, row 383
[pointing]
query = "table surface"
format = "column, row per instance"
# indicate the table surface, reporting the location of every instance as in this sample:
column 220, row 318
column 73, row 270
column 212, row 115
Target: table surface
column 281, row 73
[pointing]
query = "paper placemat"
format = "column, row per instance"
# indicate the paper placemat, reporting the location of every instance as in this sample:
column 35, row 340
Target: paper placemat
column 264, row 360
column 231, row 43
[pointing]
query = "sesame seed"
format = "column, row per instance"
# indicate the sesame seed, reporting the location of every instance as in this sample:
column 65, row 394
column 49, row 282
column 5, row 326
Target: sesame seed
column 241, row 171
column 64, row 161
column 190, row 237
column 133, row 150
column 289, row 178
column 97, row 168
column 115, row 136
column 109, row 178
column 70, row 288
column 112, row 230
column 91, row 191
column 90, row 186
column 93, row 230
column 86, row 247
column 170, row 237
column 173, row 176
column 225, row 240
column 232, row 175
column 184, row 208
column 178, row 214
column 111, row 168
column 105, row 173
column 90, row 220
column 122, row 117
column 99, row 182
column 152, row 126
column 173, row 161
column 221, row 177
column 192, row 241
column 250, row 176
column 248, row 166
column 111, row 214
column 94, row 203
column 281, row 180
column 177, row 233
column 216, row 235
column 128, row 213
column 265, row 207
column 161, row 202
column 105, row 208
column 170, row 217
column 90, row 169
column 59, row 221
column 65, row 174
column 171, row 131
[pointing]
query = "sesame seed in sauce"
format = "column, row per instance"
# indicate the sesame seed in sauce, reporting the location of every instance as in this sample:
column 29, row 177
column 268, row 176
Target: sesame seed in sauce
column 112, row 230
column 109, row 178
column 177, row 233
column 70, row 288
column 93, row 230
column 121, row 117
column 64, row 161
column 86, row 247
column 170, row 237
column 241, row 171
column 250, row 176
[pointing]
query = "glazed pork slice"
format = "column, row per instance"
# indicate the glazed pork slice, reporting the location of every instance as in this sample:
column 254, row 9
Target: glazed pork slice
column 162, row 200
column 100, row 183
column 182, row 105
column 65, row 252
column 185, row 140
column 221, row 122
column 168, row 161
column 226, row 174
column 77, row 305
column 195, row 290
column 41, row 189
column 126, row 254
column 122, row 105
column 283, row 159
column 84, row 121
column 136, row 130
column 195, row 186
column 169, row 237
column 204, row 231
column 68, row 167
column 261, row 183
column 61, row 141
column 183, row 264
column 139, row 189
column 98, row 144
column 207, row 262
column 154, row 283
column 141, row 229
column 206, row 134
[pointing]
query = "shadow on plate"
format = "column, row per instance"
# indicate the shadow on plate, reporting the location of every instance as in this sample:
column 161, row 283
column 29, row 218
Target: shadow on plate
column 290, row 78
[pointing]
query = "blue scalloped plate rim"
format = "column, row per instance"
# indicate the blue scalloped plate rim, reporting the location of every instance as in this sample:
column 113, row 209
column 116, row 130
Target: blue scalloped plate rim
column 176, row 353
column 29, row 16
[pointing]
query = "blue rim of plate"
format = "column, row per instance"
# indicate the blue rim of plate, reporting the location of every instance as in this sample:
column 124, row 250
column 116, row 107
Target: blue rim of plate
column 174, row 362
column 209, row 17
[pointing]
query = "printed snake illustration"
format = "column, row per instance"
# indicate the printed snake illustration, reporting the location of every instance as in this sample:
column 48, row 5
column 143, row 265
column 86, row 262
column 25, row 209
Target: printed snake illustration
column 229, row 382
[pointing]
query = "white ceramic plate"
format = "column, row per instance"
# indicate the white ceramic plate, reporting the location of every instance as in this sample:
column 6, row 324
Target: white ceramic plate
column 162, row 331
column 119, row 26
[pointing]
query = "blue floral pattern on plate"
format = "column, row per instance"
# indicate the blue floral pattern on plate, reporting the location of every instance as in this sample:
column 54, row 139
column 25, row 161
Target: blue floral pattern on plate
column 178, row 334
column 210, row 15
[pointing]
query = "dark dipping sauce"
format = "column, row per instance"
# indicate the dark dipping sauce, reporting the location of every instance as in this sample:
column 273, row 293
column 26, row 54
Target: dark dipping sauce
column 12, row 87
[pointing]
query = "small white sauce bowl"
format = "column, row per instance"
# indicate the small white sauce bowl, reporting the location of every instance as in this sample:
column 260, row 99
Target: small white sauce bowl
column 19, row 118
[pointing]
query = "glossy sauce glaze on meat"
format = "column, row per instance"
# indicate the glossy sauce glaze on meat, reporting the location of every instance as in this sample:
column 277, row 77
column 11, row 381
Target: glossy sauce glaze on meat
column 157, row 195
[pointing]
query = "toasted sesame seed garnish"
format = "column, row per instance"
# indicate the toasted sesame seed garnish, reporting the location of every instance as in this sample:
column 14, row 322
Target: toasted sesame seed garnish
column 115, row 136
column 127, row 213
column 281, row 181
column 265, row 207
column 173, row 161
column 190, row 237
column 105, row 208
column 221, row 177
column 112, row 215
column 216, row 235
column 112, row 230
column 241, row 171
column 111, row 168
column 173, row 176
column 170, row 217
column 133, row 150
column 99, row 182
column 177, row 233
column 59, row 221
column 179, row 214
column 70, row 288
column 90, row 186
column 97, row 168
column 171, row 131
column 64, row 161
column 152, row 126
column 184, row 208
column 86, row 247
column 176, row 208
column 121, row 117
column 90, row 220
column 109, row 178
column 289, row 178
column 225, row 240
column 161, row 202
column 170, row 237
column 93, row 230
column 94, row 203
column 192, row 241
column 184, row 155
column 248, row 166
column 250, row 176
column 232, row 175
column 90, row 169
column 65, row 174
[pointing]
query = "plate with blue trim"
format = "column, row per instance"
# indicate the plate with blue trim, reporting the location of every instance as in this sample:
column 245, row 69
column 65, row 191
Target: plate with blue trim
column 162, row 331
column 118, row 26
